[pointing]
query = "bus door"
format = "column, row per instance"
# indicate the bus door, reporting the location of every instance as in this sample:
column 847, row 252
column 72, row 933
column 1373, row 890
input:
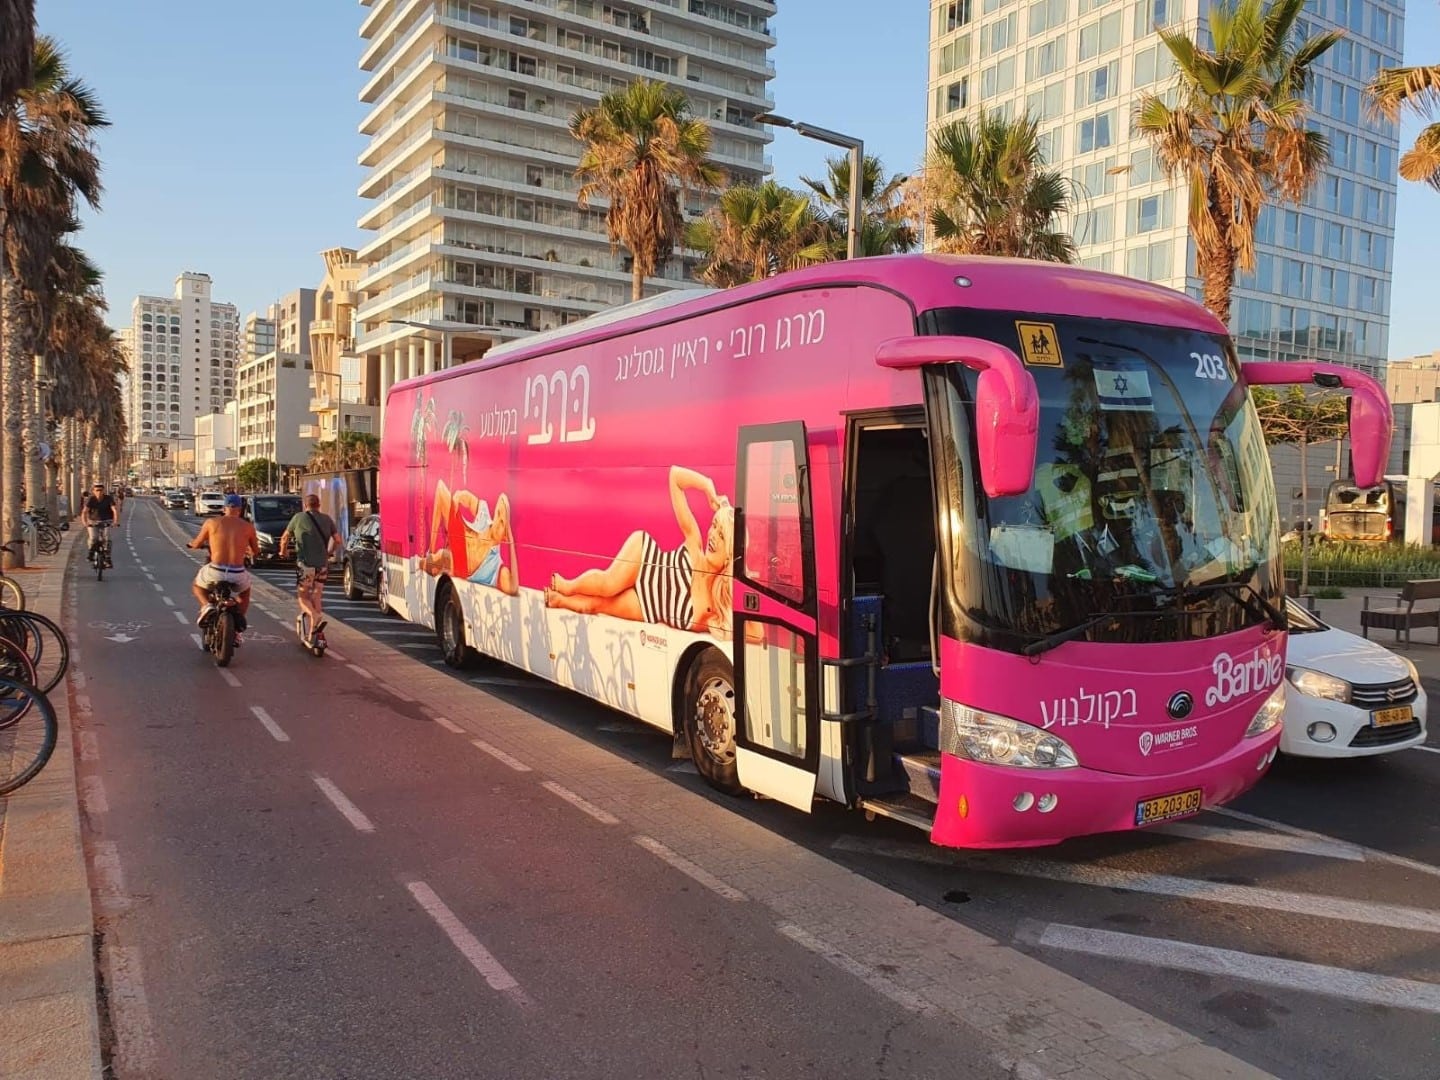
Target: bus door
column 777, row 660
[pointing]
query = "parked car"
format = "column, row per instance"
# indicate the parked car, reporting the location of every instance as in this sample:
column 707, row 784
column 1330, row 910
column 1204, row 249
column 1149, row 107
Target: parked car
column 1347, row 697
column 364, row 563
column 209, row 502
column 270, row 514
column 175, row 499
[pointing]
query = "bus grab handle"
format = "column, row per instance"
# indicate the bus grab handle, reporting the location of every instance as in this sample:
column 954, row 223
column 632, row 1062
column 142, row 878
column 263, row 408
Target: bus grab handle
column 1007, row 405
column 1372, row 421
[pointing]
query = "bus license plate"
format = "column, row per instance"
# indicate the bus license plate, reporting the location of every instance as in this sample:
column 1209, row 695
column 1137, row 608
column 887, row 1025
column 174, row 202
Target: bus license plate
column 1390, row 717
column 1165, row 807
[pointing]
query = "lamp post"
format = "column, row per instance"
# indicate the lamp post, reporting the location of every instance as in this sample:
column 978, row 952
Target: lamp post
column 857, row 166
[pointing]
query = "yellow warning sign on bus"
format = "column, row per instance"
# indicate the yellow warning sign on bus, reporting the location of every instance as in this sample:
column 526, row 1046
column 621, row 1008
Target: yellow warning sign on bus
column 1039, row 344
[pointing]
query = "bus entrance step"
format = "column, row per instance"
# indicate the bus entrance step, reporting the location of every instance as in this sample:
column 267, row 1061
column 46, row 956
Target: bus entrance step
column 921, row 769
column 906, row 809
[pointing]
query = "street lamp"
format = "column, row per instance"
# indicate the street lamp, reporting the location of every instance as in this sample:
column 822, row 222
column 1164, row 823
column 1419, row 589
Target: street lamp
column 857, row 166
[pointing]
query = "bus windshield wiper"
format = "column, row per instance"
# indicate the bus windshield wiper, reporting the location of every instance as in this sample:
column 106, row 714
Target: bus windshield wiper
column 1080, row 629
column 1241, row 591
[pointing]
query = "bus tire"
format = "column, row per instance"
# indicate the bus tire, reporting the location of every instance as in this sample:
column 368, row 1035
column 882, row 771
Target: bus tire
column 450, row 630
column 709, row 717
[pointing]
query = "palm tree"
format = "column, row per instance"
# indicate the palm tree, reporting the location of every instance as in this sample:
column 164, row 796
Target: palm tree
column 755, row 232
column 986, row 191
column 47, row 161
column 1237, row 134
column 1393, row 90
column 17, row 47
column 884, row 227
column 642, row 148
column 454, row 433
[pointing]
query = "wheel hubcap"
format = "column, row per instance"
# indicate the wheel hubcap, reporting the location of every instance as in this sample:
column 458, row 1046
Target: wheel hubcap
column 715, row 719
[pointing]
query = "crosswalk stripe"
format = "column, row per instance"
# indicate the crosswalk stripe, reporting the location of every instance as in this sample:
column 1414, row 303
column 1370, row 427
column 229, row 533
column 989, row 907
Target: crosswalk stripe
column 1207, row 960
column 1292, row 903
column 1268, row 841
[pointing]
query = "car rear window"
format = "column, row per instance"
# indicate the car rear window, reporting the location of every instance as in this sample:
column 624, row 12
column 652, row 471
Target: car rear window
column 276, row 507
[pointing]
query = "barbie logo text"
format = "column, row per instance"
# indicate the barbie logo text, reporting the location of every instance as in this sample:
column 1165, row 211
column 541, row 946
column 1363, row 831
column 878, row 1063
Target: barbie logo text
column 1262, row 670
column 570, row 392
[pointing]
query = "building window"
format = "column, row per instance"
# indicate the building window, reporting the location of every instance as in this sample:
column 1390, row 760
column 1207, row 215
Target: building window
column 998, row 35
column 1100, row 37
column 1149, row 213
column 1153, row 64
column 998, row 78
column 1095, row 133
column 1152, row 262
column 1046, row 59
column 1095, row 226
column 1093, row 87
column 1045, row 14
column 1151, row 15
column 1096, row 178
column 1046, row 104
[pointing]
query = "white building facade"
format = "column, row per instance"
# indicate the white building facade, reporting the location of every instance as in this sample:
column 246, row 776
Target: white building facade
column 273, row 383
column 1321, row 285
column 476, row 232
column 182, row 351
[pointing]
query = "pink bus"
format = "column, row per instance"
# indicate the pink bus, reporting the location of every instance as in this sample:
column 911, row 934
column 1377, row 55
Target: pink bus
column 987, row 546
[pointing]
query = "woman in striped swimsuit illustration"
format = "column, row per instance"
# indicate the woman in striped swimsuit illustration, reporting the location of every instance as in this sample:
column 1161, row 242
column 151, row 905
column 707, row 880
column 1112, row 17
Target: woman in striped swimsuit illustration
column 689, row 587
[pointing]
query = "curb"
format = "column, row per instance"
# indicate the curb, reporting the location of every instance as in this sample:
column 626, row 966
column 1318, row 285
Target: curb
column 49, row 1020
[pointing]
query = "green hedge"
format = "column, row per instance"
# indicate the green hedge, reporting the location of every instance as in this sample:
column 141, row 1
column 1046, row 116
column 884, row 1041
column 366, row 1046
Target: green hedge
column 1380, row 566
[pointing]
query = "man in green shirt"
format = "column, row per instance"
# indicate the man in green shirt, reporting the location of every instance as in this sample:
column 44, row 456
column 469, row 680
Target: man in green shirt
column 315, row 538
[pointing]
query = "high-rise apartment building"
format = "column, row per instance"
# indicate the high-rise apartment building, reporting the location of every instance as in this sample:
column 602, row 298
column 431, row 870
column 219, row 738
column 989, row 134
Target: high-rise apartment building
column 476, row 232
column 182, row 351
column 1321, row 285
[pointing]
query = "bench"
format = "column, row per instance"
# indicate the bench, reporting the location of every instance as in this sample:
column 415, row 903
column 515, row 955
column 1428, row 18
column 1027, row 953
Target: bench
column 1403, row 616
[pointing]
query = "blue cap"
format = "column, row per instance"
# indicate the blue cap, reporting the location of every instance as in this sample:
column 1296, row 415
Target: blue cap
column 234, row 500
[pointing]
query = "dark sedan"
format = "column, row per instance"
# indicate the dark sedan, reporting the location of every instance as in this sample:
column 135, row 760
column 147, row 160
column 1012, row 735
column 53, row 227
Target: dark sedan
column 364, row 563
column 270, row 514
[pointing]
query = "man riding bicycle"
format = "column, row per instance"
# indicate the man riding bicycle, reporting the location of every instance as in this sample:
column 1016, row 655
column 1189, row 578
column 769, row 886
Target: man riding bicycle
column 231, row 540
column 315, row 537
column 100, row 513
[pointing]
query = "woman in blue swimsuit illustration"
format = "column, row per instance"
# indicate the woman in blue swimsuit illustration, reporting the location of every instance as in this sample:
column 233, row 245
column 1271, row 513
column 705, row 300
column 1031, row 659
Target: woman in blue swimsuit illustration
column 689, row 587
column 466, row 538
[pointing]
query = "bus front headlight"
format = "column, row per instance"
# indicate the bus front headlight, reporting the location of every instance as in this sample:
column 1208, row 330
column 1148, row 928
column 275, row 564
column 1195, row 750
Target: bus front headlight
column 1000, row 740
column 1269, row 715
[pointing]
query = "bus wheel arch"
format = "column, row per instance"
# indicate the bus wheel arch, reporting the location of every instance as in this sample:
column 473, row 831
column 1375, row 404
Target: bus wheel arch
column 706, row 716
column 450, row 626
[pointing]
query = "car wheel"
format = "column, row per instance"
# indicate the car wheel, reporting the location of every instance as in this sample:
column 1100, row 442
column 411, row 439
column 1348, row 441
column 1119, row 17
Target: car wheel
column 347, row 581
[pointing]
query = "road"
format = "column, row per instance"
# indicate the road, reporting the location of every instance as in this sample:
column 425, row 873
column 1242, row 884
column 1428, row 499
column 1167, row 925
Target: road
column 1300, row 937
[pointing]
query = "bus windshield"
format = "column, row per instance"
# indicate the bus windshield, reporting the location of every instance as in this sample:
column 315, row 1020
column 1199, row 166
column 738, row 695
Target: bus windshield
column 1152, row 515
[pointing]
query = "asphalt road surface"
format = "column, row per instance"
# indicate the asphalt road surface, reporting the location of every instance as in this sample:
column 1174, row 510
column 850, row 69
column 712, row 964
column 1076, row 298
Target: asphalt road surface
column 1298, row 932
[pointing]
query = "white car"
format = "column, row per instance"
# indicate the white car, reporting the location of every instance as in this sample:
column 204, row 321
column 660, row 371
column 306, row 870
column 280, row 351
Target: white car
column 210, row 502
column 1347, row 697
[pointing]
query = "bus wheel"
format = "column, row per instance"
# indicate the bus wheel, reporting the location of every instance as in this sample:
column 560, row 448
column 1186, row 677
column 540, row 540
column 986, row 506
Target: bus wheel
column 450, row 632
column 710, row 717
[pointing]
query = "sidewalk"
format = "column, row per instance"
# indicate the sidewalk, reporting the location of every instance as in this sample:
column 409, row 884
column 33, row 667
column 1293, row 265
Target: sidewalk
column 49, row 1027
column 1344, row 614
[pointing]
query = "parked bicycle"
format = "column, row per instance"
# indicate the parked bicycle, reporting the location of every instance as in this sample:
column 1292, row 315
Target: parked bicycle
column 47, row 536
column 29, row 728
column 12, row 596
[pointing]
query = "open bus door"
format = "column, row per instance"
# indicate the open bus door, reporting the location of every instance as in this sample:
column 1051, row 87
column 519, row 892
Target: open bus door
column 777, row 659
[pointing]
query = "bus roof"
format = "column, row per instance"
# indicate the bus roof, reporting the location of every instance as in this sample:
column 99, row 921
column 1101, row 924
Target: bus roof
column 925, row 281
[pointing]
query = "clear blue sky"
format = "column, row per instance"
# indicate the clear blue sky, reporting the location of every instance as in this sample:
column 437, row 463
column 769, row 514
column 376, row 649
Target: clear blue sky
column 234, row 136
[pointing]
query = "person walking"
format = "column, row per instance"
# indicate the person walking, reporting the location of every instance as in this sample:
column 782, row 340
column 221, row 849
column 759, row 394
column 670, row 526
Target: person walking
column 315, row 537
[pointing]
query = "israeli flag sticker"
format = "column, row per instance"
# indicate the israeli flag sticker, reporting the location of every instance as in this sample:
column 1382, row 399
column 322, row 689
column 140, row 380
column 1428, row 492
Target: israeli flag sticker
column 1124, row 390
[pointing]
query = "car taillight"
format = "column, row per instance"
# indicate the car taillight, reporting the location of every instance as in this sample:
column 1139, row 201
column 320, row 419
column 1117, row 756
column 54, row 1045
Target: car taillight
column 1389, row 529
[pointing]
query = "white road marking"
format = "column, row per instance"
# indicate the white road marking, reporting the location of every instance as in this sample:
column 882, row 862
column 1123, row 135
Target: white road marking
column 369, row 618
column 158, row 586
column 501, row 755
column 490, row 969
column 1269, row 841
column 270, row 725
column 360, row 671
column 82, row 704
column 1358, row 986
column 449, row 725
column 168, row 601
column 229, row 676
column 199, row 641
column 689, row 869
column 92, row 795
column 868, row 975
column 134, row 1050
column 89, row 748
column 1427, row 749
column 335, row 655
column 602, row 816
column 397, row 692
column 1371, row 854
column 180, row 617
column 1321, row 907
column 77, row 678
column 108, row 877
column 345, row 806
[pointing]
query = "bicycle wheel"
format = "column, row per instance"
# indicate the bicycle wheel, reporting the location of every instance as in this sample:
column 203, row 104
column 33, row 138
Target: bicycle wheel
column 14, row 664
column 44, row 643
column 48, row 538
column 12, row 596
column 25, row 744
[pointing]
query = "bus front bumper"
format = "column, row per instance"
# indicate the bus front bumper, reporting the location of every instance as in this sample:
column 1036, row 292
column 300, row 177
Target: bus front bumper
column 989, row 806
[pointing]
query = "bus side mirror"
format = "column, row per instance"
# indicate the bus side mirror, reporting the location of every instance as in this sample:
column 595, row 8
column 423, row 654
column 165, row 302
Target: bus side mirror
column 1372, row 421
column 1007, row 405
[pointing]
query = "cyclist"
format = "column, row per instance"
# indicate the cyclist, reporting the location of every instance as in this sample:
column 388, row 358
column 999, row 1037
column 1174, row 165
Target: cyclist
column 231, row 540
column 315, row 537
column 100, row 507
